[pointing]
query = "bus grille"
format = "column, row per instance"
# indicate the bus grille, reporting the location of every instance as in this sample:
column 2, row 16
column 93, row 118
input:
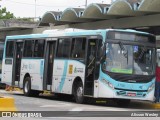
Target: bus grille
column 130, row 78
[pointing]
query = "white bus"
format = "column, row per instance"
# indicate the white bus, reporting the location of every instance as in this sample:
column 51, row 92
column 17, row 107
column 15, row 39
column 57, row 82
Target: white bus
column 111, row 63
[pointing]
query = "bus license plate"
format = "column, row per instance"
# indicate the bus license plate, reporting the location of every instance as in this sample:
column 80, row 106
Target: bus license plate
column 131, row 94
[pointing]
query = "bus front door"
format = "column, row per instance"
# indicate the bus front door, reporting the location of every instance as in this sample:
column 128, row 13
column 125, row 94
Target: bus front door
column 49, row 60
column 17, row 63
column 90, row 67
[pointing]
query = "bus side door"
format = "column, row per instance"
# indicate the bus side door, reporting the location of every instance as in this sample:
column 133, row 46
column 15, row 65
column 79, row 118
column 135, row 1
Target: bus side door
column 49, row 60
column 17, row 62
column 7, row 67
column 92, row 68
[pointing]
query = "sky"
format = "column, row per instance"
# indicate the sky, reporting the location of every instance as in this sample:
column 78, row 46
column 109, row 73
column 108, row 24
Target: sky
column 37, row 8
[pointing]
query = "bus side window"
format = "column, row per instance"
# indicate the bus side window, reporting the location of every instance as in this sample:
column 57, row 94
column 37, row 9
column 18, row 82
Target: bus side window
column 39, row 48
column 28, row 48
column 9, row 49
column 78, row 48
column 63, row 50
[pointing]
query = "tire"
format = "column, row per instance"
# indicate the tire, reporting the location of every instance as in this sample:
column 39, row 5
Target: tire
column 27, row 88
column 78, row 93
column 123, row 102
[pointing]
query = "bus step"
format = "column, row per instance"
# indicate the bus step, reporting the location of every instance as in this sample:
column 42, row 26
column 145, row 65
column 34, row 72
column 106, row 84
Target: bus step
column 88, row 91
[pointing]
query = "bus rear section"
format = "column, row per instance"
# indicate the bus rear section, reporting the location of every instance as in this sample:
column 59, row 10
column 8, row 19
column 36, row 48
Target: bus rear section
column 24, row 59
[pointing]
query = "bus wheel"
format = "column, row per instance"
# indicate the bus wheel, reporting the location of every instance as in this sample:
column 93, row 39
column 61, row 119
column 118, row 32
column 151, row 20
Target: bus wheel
column 123, row 102
column 27, row 87
column 78, row 94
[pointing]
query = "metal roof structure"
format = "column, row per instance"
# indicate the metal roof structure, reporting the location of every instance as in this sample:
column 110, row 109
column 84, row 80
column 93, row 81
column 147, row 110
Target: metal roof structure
column 118, row 9
column 119, row 14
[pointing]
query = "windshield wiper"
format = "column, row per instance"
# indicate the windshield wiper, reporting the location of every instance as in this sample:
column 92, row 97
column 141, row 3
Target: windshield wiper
column 142, row 52
column 124, row 50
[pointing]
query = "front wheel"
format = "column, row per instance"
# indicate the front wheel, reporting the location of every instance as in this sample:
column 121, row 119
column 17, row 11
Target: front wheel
column 78, row 94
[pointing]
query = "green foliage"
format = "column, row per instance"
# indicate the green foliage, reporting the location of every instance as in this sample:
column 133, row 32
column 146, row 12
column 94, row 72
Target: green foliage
column 25, row 19
column 4, row 14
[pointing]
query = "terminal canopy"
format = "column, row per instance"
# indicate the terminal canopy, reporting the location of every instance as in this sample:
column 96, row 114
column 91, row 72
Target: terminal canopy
column 119, row 14
column 71, row 15
column 49, row 17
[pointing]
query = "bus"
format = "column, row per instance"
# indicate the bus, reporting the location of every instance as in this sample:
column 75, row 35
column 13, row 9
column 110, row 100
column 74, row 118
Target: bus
column 108, row 63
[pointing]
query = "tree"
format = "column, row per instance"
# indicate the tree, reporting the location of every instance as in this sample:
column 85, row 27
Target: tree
column 4, row 14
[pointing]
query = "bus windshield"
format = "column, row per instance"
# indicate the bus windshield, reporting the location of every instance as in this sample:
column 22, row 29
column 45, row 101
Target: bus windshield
column 129, row 59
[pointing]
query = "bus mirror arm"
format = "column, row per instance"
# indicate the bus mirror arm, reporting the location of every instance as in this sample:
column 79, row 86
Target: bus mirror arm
column 98, row 62
column 102, row 53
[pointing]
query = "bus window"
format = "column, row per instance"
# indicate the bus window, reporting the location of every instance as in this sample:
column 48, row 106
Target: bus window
column 78, row 48
column 39, row 48
column 28, row 48
column 9, row 49
column 63, row 48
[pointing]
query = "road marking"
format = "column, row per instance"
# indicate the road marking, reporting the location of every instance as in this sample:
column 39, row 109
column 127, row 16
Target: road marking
column 76, row 109
column 57, row 105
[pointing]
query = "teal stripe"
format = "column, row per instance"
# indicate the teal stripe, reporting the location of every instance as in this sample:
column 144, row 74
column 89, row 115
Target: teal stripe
column 27, row 36
column 63, row 76
column 41, row 67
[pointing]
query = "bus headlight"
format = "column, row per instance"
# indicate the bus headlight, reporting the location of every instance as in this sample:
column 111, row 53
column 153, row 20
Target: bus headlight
column 108, row 83
column 151, row 87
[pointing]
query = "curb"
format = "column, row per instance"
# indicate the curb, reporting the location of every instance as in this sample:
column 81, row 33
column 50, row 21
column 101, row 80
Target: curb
column 10, row 89
column 45, row 92
column 7, row 104
column 151, row 105
column 156, row 105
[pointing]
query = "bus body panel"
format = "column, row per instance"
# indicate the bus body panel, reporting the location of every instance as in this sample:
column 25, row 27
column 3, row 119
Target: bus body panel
column 112, row 94
column 7, row 69
column 96, row 88
column 64, row 74
column 35, row 68
column 106, row 92
column 116, row 89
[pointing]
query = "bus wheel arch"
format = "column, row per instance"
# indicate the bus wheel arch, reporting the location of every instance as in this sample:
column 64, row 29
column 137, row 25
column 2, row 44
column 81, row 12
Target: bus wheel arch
column 77, row 90
column 27, row 86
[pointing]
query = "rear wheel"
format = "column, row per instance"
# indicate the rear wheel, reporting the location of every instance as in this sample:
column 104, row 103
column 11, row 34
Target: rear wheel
column 78, row 93
column 27, row 88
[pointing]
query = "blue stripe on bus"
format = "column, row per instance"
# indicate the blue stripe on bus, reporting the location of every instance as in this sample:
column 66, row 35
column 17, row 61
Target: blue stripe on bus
column 41, row 67
column 63, row 76
column 26, row 36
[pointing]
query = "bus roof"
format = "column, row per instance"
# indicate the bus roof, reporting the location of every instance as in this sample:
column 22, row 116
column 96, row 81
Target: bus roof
column 71, row 32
